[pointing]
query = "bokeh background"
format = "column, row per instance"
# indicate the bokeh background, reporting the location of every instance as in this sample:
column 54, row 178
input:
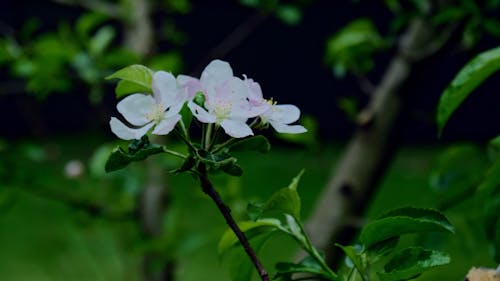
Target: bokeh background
column 63, row 218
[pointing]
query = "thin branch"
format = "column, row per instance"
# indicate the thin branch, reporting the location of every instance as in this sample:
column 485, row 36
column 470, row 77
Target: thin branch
column 208, row 189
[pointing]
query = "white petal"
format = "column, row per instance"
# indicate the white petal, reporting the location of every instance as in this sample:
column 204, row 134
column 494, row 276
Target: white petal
column 165, row 88
column 166, row 125
column 288, row 129
column 283, row 113
column 236, row 129
column 201, row 114
column 135, row 107
column 216, row 73
column 174, row 110
column 192, row 85
column 254, row 90
column 126, row 133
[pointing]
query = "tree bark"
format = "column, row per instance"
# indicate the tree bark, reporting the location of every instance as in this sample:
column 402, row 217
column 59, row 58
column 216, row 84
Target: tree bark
column 368, row 153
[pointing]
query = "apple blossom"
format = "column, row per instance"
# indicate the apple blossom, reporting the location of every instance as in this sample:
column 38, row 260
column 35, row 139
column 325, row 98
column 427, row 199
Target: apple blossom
column 160, row 111
column 226, row 99
column 279, row 116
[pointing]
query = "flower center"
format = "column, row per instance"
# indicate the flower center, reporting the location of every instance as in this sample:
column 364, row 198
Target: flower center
column 156, row 115
column 222, row 110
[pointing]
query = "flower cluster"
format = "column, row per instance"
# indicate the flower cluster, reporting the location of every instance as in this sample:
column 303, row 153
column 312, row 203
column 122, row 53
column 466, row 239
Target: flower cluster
column 229, row 102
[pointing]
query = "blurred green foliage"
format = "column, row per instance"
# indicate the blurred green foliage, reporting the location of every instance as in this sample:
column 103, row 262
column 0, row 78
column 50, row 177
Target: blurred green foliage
column 351, row 48
column 83, row 52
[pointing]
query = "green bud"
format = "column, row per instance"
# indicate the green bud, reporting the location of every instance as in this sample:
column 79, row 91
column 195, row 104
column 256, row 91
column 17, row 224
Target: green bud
column 199, row 99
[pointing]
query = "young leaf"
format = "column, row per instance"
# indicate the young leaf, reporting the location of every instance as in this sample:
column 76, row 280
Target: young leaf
column 256, row 143
column 286, row 269
column 125, row 87
column 403, row 221
column 357, row 259
column 229, row 239
column 411, row 262
column 119, row 158
column 232, row 170
column 101, row 40
column 382, row 248
column 469, row 77
column 136, row 74
column 285, row 200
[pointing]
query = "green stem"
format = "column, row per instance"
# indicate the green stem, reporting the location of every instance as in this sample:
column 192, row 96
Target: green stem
column 203, row 135
column 174, row 153
column 184, row 129
column 208, row 136
column 351, row 271
column 315, row 254
column 219, row 147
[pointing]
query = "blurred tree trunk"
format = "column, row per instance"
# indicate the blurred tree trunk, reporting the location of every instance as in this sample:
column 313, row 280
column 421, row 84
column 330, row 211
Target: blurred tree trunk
column 152, row 206
column 371, row 148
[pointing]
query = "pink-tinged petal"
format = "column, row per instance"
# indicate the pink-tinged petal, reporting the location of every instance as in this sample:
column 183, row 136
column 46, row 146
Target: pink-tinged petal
column 126, row 133
column 254, row 91
column 192, row 85
column 288, row 129
column 201, row 114
column 216, row 73
column 236, row 129
column 166, row 125
column 257, row 110
column 135, row 108
column 165, row 88
column 283, row 113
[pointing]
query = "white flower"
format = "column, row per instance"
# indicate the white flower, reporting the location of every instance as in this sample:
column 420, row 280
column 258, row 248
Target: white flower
column 226, row 99
column 143, row 111
column 279, row 116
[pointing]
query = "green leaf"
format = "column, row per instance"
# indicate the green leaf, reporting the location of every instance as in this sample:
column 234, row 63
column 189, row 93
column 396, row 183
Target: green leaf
column 492, row 26
column 233, row 170
column 261, row 226
column 289, row 14
column 286, row 269
column 125, row 87
column 411, row 262
column 449, row 14
column 256, row 143
column 101, row 40
column 382, row 248
column 457, row 173
column 403, row 221
column 491, row 180
column 217, row 160
column 285, row 200
column 468, row 79
column 136, row 74
column 87, row 22
column 353, row 46
column 187, row 165
column 358, row 259
column 138, row 150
